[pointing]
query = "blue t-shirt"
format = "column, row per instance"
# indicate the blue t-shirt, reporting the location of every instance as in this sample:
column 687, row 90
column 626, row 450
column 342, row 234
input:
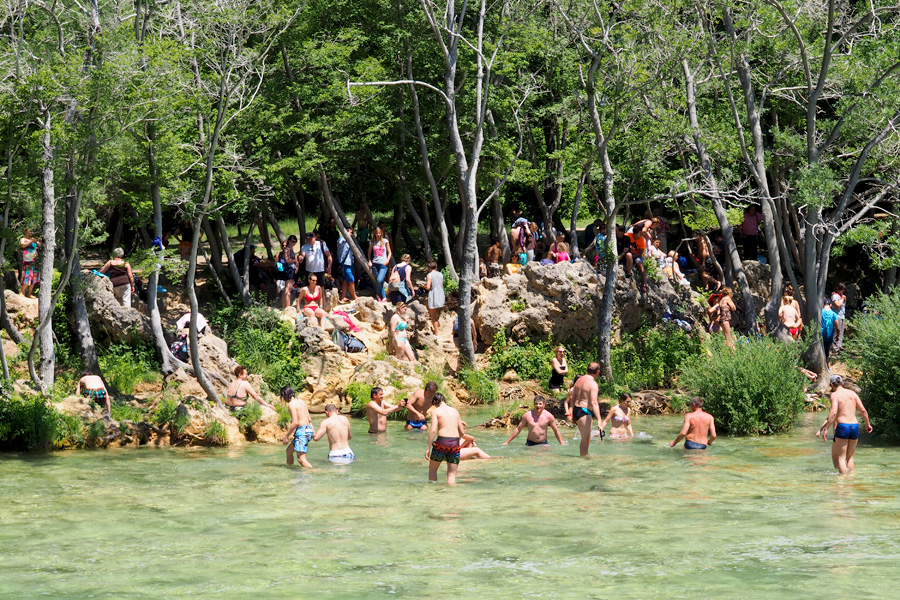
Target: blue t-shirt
column 828, row 319
column 345, row 254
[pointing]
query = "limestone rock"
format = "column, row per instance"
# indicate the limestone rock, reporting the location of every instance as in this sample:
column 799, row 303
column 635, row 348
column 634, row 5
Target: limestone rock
column 510, row 376
column 317, row 340
column 21, row 310
column 119, row 323
column 560, row 302
column 759, row 278
column 79, row 406
column 195, row 430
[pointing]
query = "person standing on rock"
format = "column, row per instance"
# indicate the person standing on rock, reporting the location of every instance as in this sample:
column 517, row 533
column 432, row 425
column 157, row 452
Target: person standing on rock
column 699, row 430
column 300, row 429
column 377, row 411
column 92, row 386
column 444, row 437
column 582, row 407
column 121, row 276
column 337, row 427
column 492, row 257
column 537, row 421
column 844, row 404
column 240, row 389
column 316, row 256
column 434, row 285
column 346, row 261
column 417, row 406
column 559, row 368
column 29, row 246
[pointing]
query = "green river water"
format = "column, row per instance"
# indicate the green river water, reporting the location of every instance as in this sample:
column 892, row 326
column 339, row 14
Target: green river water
column 752, row 518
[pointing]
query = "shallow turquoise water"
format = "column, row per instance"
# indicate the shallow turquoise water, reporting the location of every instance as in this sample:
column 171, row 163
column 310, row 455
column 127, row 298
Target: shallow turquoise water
column 753, row 518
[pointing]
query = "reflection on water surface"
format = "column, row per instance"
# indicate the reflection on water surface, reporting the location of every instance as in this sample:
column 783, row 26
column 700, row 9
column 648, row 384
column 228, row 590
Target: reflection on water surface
column 753, row 518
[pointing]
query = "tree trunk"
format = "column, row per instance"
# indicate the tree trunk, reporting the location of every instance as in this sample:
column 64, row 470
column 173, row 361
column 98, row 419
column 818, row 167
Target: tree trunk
column 300, row 207
column 499, row 224
column 215, row 248
column 263, row 225
column 573, row 234
column 81, row 321
column 361, row 259
column 415, row 215
column 44, row 335
column 232, row 267
column 276, row 226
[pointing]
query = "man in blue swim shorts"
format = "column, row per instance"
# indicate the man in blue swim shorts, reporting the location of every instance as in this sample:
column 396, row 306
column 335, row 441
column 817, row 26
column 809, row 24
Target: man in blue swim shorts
column 699, row 430
column 300, row 428
column 417, row 407
column 844, row 404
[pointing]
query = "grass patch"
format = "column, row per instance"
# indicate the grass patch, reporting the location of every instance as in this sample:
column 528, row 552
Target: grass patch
column 28, row 424
column 126, row 365
column 167, row 415
column 480, row 385
column 251, row 415
column 216, row 434
column 126, row 412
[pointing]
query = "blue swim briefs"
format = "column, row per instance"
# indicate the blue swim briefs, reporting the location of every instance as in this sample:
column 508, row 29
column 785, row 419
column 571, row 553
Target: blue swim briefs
column 846, row 431
column 302, row 436
column 689, row 445
column 417, row 424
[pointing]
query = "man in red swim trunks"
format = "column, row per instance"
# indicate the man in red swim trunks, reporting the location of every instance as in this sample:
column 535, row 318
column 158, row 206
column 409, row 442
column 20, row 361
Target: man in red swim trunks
column 447, row 425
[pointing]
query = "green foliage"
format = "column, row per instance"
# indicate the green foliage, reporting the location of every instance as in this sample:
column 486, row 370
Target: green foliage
column 70, row 432
column 216, row 434
column 122, row 411
column 450, row 285
column 250, row 415
column 517, row 306
column 395, row 381
column 284, row 414
column 28, row 424
column 360, row 395
column 652, row 358
column 381, row 355
column 754, row 389
column 481, row 386
column 258, row 339
column 126, row 365
column 529, row 361
column 873, row 349
column 167, row 415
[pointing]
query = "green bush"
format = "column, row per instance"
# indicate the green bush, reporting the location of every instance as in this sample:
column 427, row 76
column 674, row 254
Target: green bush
column 126, row 412
column 28, row 424
column 166, row 415
column 450, row 285
column 258, row 339
column 360, row 395
column 480, row 385
column 70, row 432
column 216, row 434
column 652, row 358
column 125, row 365
column 284, row 414
column 873, row 349
column 753, row 389
column 251, row 414
column 529, row 361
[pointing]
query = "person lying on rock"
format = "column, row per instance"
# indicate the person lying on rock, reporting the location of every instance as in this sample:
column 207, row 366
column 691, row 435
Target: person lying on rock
column 377, row 410
column 240, row 389
column 92, row 386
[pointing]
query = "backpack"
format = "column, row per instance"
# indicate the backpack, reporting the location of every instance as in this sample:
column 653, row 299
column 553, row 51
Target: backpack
column 347, row 342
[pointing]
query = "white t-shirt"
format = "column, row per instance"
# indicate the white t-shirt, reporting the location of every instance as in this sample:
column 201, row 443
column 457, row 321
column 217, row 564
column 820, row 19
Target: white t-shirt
column 315, row 256
column 185, row 320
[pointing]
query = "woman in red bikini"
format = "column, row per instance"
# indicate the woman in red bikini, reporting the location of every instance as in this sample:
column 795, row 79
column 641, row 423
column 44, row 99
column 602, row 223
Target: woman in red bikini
column 310, row 300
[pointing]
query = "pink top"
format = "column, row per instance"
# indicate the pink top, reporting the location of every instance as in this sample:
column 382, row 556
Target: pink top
column 562, row 257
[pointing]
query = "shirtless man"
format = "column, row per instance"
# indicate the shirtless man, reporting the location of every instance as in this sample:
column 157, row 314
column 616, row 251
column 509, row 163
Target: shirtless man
column 300, row 428
column 537, row 421
column 582, row 407
column 417, row 406
column 844, row 404
column 699, row 427
column 447, row 426
column 92, row 386
column 377, row 411
column 337, row 428
column 492, row 257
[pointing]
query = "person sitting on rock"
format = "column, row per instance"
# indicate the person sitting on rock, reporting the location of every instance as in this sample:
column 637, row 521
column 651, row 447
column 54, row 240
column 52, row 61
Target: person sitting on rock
column 92, row 386
column 562, row 252
column 240, row 389
column 308, row 303
column 400, row 333
column 184, row 323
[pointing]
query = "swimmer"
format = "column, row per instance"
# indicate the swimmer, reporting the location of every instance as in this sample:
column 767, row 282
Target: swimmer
column 92, row 386
column 537, row 421
column 377, row 411
column 697, row 426
column 581, row 405
column 337, row 427
column 300, row 428
column 468, row 450
column 444, row 436
column 417, row 406
column 619, row 418
column 844, row 404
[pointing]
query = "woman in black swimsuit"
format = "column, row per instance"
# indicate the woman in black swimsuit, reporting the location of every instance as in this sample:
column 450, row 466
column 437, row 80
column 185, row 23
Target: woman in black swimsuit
column 240, row 389
column 559, row 369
